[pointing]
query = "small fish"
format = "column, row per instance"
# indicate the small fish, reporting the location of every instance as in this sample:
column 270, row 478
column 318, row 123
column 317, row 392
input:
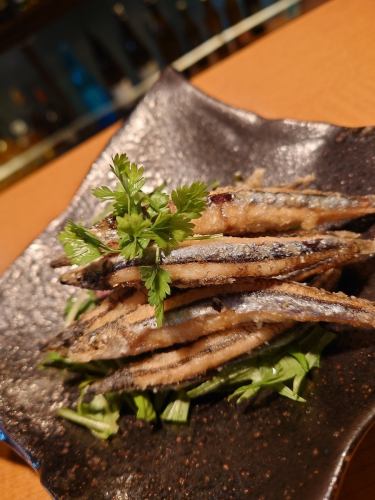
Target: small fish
column 233, row 211
column 197, row 313
column 170, row 369
column 248, row 211
column 119, row 303
column 199, row 263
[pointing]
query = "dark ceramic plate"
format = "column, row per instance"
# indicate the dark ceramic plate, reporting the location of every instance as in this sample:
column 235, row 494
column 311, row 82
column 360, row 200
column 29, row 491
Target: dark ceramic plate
column 279, row 450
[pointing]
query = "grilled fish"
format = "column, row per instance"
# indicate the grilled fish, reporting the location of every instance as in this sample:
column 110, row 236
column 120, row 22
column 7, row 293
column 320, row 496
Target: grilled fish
column 233, row 211
column 278, row 209
column 197, row 313
column 181, row 365
column 120, row 302
column 199, row 263
column 185, row 363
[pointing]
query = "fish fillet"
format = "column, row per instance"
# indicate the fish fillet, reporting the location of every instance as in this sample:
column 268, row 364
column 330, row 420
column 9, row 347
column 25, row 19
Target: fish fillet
column 278, row 209
column 200, row 263
column 186, row 363
column 200, row 312
column 172, row 368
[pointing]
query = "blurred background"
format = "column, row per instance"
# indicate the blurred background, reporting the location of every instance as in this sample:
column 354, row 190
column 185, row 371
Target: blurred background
column 70, row 68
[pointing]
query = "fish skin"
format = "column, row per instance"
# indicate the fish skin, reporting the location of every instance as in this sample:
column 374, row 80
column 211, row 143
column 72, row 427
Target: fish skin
column 179, row 366
column 232, row 211
column 121, row 301
column 170, row 369
column 60, row 261
column 225, row 260
column 277, row 209
column 214, row 309
column 322, row 207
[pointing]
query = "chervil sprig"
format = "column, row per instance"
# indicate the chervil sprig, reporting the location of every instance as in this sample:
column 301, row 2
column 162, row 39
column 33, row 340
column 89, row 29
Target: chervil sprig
column 157, row 282
column 133, row 235
column 190, row 200
column 128, row 195
column 81, row 245
column 129, row 174
column 146, row 223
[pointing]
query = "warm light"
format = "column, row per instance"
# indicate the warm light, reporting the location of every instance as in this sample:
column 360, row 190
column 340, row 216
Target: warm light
column 3, row 146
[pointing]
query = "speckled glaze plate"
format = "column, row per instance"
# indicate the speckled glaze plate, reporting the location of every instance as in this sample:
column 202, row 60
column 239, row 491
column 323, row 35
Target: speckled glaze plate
column 279, row 450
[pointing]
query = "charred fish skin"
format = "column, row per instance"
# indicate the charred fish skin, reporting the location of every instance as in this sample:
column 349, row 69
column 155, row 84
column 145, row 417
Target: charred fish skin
column 93, row 276
column 223, row 260
column 246, row 211
column 265, row 301
column 270, row 197
column 273, row 209
column 253, row 251
column 179, row 366
column 60, row 261
column 121, row 301
column 312, row 199
column 184, row 364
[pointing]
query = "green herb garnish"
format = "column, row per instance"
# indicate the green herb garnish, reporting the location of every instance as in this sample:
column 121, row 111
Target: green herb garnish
column 157, row 282
column 100, row 415
column 80, row 244
column 144, row 407
column 283, row 371
column 147, row 226
column 177, row 411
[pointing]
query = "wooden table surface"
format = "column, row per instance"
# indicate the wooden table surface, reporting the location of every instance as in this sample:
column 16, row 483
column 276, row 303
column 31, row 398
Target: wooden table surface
column 318, row 67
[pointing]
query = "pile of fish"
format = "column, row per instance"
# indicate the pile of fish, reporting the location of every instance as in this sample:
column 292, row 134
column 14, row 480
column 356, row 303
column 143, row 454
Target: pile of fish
column 275, row 264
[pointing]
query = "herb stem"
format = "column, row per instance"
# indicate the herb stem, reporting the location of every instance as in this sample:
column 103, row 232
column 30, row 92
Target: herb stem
column 157, row 256
column 73, row 416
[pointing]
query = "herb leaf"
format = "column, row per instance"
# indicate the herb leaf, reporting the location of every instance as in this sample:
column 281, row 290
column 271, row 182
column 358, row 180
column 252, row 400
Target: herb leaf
column 283, row 371
column 134, row 238
column 191, row 200
column 129, row 174
column 118, row 198
column 80, row 244
column 170, row 229
column 103, row 193
column 275, row 370
column 144, row 221
column 89, row 369
column 270, row 374
column 156, row 281
column 128, row 195
column 75, row 306
column 158, row 202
